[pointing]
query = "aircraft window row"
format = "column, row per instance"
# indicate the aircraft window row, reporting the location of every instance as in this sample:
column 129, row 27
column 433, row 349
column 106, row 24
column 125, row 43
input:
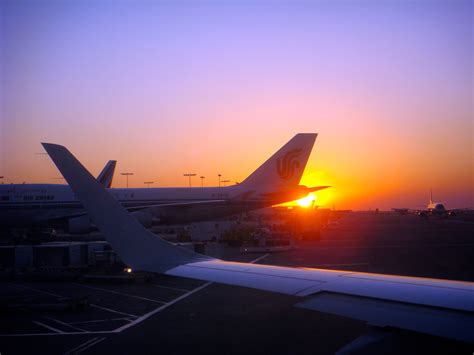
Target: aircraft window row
column 38, row 198
column 47, row 198
column 38, row 206
column 29, row 191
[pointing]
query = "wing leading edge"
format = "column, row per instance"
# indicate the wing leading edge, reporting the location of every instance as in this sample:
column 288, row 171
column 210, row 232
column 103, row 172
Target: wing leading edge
column 438, row 307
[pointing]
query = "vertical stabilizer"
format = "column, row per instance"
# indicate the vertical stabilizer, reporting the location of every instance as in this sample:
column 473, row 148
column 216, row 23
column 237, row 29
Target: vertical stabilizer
column 107, row 174
column 285, row 167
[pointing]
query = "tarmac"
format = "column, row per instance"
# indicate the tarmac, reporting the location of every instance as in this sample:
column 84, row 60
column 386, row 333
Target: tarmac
column 171, row 315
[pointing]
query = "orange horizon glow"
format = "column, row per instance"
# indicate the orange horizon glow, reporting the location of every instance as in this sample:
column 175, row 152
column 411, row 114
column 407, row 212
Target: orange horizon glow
column 376, row 183
column 167, row 89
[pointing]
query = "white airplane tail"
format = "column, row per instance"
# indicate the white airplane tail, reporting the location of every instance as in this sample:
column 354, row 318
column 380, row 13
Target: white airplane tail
column 285, row 167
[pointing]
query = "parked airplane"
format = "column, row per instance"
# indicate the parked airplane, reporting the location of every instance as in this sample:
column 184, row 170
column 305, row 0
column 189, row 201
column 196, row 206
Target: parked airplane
column 435, row 208
column 432, row 209
column 274, row 182
column 438, row 307
column 30, row 204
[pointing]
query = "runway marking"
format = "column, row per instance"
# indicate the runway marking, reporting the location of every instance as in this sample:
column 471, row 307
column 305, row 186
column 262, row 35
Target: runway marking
column 113, row 311
column 171, row 288
column 65, row 324
column 92, row 305
column 89, row 345
column 80, row 346
column 101, row 320
column 159, row 309
column 48, row 327
column 50, row 334
column 259, row 258
column 120, row 293
column 40, row 291
column 132, row 323
column 84, row 346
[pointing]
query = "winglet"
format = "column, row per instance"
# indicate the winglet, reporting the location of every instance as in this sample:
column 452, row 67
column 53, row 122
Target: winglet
column 135, row 245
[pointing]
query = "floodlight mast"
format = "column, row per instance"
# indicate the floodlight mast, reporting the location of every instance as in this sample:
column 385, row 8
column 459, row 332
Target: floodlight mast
column 189, row 175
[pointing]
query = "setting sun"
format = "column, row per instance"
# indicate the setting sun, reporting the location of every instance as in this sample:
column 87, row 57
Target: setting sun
column 307, row 201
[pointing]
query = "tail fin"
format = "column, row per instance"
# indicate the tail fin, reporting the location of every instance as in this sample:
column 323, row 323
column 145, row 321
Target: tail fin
column 286, row 166
column 107, row 174
column 137, row 246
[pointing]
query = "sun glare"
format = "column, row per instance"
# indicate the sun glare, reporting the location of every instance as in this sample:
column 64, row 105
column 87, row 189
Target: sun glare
column 307, row 201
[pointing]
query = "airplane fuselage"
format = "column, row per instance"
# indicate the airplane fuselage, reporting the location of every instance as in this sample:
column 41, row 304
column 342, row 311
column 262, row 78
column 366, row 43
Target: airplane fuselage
column 37, row 204
column 436, row 208
column 29, row 204
column 275, row 181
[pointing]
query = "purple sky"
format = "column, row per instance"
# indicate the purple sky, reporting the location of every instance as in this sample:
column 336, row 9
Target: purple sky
column 167, row 87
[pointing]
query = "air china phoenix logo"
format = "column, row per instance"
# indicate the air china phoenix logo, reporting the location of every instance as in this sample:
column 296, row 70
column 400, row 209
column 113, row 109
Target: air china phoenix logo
column 287, row 164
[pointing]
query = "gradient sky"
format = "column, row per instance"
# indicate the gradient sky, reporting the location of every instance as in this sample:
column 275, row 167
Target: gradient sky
column 168, row 87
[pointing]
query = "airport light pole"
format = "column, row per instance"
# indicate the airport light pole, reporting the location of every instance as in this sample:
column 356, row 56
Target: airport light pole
column 202, row 180
column 148, row 183
column 189, row 175
column 219, row 179
column 225, row 181
column 127, row 175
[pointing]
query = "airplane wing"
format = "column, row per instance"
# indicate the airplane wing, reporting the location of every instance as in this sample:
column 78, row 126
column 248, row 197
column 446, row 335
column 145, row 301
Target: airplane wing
column 290, row 194
column 175, row 204
column 301, row 191
column 465, row 210
column 437, row 307
column 171, row 206
column 317, row 188
column 403, row 210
